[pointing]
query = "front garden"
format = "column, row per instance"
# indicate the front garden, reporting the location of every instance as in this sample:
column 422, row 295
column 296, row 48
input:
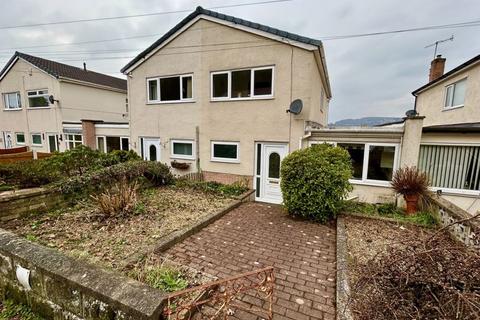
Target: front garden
column 121, row 208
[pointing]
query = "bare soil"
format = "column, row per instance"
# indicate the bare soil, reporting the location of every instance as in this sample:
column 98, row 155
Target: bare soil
column 83, row 233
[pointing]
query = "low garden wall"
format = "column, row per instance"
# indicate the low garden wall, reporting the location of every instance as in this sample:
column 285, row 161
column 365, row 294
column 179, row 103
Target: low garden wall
column 17, row 203
column 467, row 230
column 59, row 287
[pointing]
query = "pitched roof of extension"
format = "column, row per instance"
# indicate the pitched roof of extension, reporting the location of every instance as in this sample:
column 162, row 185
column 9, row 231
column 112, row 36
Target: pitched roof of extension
column 65, row 71
column 448, row 74
column 238, row 21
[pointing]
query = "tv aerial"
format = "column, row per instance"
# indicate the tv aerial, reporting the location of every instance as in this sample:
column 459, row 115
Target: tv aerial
column 436, row 43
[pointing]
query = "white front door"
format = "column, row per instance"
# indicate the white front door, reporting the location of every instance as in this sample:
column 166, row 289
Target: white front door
column 269, row 158
column 151, row 149
column 8, row 138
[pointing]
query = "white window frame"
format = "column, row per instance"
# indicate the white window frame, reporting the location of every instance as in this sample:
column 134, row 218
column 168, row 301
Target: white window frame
column 7, row 104
column 453, row 85
column 41, row 139
column 252, row 84
column 74, row 141
column 24, row 138
column 159, row 100
column 364, row 180
column 226, row 160
column 182, row 156
column 38, row 95
column 105, row 141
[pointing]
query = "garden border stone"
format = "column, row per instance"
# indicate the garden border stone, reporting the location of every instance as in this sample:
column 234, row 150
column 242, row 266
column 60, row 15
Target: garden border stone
column 17, row 203
column 64, row 288
column 180, row 235
column 342, row 288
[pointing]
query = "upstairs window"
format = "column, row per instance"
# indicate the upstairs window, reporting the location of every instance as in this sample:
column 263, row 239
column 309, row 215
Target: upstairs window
column 251, row 83
column 12, row 100
column 170, row 89
column 455, row 94
column 38, row 98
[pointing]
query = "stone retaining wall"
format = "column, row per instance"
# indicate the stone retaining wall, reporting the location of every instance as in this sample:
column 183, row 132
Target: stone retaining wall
column 17, row 203
column 60, row 287
column 468, row 231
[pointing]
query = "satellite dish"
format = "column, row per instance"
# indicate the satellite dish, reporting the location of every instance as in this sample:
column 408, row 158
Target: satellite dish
column 296, row 106
column 411, row 113
column 51, row 99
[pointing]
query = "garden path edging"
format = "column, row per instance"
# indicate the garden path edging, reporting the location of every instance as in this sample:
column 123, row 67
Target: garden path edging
column 342, row 288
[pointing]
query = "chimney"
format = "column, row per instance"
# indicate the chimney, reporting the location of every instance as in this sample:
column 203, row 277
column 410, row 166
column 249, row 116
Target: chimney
column 85, row 66
column 436, row 68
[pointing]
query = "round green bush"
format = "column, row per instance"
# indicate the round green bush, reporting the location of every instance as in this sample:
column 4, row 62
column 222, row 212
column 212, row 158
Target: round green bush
column 315, row 180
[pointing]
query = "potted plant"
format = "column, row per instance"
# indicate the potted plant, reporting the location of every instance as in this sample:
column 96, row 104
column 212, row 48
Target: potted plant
column 180, row 165
column 412, row 184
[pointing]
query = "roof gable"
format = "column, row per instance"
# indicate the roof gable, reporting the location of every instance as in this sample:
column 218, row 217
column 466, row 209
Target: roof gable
column 65, row 71
column 448, row 74
column 219, row 17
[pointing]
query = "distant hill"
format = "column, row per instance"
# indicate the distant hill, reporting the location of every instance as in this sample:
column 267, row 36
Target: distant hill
column 365, row 122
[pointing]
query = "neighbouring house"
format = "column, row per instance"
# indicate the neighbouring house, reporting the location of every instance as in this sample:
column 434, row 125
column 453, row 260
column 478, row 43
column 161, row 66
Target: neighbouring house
column 50, row 106
column 450, row 142
column 442, row 138
column 212, row 94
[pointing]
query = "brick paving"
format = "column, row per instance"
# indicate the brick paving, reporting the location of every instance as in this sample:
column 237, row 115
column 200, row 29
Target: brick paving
column 257, row 235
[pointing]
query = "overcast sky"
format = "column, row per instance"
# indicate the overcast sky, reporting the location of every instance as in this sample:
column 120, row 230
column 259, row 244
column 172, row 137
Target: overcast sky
column 370, row 76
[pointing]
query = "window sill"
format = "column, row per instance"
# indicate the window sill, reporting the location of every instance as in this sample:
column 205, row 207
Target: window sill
column 37, row 145
column 225, row 160
column 241, row 99
column 175, row 157
column 35, row 108
column 170, row 102
column 452, row 108
column 373, row 183
column 15, row 109
column 456, row 192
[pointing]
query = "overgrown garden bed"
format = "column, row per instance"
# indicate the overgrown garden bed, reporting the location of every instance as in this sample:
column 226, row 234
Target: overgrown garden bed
column 403, row 271
column 122, row 208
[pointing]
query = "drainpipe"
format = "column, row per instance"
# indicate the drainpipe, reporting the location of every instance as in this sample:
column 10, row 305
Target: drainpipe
column 300, row 141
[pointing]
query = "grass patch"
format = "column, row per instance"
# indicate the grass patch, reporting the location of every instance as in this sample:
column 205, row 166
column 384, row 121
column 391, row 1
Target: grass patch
column 11, row 310
column 165, row 278
column 389, row 210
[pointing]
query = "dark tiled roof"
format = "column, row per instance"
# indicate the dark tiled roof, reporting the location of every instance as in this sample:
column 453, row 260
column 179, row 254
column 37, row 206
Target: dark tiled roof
column 60, row 70
column 456, row 127
column 200, row 10
column 449, row 73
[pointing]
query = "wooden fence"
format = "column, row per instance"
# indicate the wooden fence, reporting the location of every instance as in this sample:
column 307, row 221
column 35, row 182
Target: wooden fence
column 15, row 157
column 13, row 150
column 22, row 156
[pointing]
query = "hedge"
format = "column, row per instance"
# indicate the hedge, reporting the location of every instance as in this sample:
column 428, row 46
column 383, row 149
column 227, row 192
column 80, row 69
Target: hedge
column 315, row 180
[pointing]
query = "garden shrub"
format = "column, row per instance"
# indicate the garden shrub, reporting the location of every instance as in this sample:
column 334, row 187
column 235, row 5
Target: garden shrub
column 120, row 200
column 315, row 180
column 228, row 190
column 71, row 163
column 154, row 172
column 28, row 174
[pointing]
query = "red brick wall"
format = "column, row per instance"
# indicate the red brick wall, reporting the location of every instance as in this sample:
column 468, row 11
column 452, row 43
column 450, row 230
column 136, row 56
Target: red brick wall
column 88, row 131
column 227, row 178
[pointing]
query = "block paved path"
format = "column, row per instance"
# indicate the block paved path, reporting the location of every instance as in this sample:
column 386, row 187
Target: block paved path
column 257, row 235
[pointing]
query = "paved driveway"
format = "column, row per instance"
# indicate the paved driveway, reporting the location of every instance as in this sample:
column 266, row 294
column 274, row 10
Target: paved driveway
column 256, row 235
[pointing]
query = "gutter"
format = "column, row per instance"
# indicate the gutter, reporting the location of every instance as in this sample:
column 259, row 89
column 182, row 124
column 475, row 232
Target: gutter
column 300, row 141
